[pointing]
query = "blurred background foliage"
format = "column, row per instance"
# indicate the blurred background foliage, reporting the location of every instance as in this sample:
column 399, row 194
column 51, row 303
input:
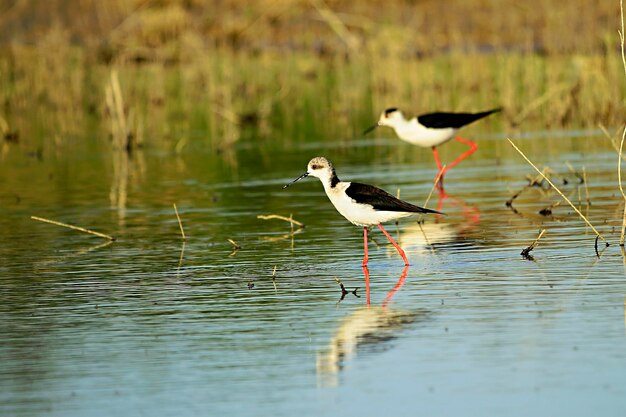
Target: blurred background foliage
column 168, row 72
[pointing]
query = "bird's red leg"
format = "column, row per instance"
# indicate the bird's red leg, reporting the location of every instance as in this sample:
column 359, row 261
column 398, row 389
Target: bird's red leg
column 364, row 246
column 439, row 176
column 393, row 242
column 473, row 146
column 366, row 272
column 395, row 289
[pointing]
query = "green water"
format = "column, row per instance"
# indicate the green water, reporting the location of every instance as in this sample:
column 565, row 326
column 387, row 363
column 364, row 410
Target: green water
column 149, row 325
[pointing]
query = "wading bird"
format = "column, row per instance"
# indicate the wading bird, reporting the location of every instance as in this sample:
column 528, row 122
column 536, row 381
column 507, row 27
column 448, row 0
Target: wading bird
column 362, row 204
column 431, row 130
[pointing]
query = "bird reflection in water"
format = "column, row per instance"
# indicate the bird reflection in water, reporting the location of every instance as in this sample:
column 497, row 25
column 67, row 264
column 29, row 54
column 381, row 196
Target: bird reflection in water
column 369, row 328
column 421, row 238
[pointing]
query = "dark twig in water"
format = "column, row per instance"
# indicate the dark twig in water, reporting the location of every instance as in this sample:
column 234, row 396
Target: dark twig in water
column 548, row 210
column 560, row 193
column 581, row 178
column 345, row 292
column 69, row 226
column 509, row 202
column 526, row 252
column 537, row 181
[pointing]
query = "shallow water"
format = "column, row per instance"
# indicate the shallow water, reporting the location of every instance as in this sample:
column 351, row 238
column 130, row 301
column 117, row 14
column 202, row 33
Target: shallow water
column 149, row 325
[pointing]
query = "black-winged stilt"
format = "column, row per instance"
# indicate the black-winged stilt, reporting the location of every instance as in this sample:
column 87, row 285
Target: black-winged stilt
column 431, row 130
column 362, row 204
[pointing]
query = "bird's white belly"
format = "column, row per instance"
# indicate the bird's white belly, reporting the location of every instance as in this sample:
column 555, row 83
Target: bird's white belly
column 361, row 214
column 419, row 135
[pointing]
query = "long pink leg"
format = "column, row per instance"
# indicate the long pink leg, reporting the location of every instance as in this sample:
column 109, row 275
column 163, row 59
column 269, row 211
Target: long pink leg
column 393, row 242
column 440, row 168
column 366, row 272
column 365, row 259
column 395, row 289
column 437, row 158
column 473, row 146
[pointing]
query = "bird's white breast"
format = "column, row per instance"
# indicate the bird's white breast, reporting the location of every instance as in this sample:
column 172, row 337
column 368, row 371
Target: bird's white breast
column 358, row 214
column 417, row 134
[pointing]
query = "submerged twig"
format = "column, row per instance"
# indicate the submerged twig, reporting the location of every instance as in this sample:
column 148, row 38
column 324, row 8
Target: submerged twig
column 276, row 216
column 560, row 193
column 546, row 211
column 345, row 292
column 69, row 226
column 236, row 247
column 526, row 252
column 587, row 199
column 180, row 224
column 281, row 237
column 581, row 179
column 532, row 182
column 74, row 255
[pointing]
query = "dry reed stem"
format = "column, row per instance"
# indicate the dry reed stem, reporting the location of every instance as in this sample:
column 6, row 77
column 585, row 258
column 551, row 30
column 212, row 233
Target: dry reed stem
column 526, row 252
column 612, row 138
column 180, row 223
column 69, row 226
column 236, row 247
column 619, row 176
column 430, row 245
column 115, row 103
column 621, row 34
column 276, row 216
column 559, row 191
column 274, row 278
column 432, row 190
column 621, row 146
column 180, row 258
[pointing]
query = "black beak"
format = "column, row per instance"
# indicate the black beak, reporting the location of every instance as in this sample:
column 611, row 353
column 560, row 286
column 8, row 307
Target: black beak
column 369, row 129
column 296, row 180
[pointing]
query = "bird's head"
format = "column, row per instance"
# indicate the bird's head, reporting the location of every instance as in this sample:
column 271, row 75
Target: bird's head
column 389, row 117
column 319, row 167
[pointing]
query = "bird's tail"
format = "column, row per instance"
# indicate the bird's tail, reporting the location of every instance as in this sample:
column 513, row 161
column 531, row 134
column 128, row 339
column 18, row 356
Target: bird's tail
column 427, row 210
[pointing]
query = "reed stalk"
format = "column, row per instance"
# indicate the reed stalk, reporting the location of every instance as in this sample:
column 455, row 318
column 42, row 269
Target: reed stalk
column 69, row 226
column 180, row 223
column 559, row 191
column 279, row 217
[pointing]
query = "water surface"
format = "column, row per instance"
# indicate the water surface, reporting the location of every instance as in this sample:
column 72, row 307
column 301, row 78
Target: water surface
column 149, row 325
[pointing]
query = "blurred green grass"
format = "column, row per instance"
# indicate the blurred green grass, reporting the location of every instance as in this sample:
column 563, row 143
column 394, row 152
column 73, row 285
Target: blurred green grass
column 292, row 71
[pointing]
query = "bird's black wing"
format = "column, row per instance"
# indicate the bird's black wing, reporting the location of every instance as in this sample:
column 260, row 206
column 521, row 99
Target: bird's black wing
column 381, row 200
column 443, row 120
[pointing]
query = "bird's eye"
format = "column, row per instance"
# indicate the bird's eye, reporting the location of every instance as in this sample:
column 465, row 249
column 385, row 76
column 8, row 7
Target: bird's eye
column 315, row 166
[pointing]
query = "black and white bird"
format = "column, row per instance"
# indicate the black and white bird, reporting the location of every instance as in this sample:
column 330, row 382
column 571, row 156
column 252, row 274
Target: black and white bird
column 362, row 204
column 431, row 130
